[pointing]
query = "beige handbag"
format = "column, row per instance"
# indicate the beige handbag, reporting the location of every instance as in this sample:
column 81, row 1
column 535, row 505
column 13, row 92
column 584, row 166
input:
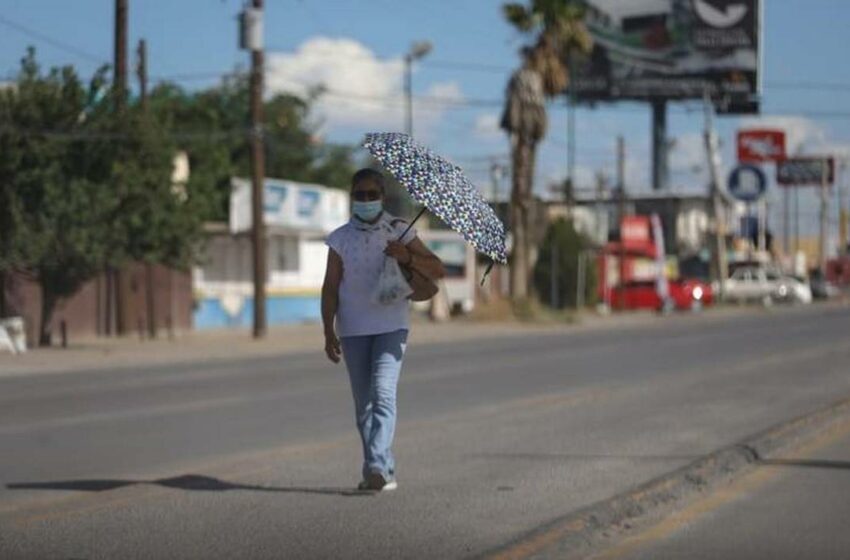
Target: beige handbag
column 423, row 288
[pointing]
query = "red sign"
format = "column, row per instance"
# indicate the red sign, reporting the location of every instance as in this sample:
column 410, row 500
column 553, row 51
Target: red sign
column 806, row 171
column 635, row 232
column 761, row 145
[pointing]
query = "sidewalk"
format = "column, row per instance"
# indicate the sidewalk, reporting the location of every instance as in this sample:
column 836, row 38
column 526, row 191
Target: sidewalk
column 195, row 346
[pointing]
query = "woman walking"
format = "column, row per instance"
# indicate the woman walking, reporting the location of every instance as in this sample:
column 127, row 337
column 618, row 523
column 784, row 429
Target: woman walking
column 371, row 336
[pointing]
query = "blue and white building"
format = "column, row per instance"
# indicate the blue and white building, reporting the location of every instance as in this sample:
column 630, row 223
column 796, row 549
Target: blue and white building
column 298, row 218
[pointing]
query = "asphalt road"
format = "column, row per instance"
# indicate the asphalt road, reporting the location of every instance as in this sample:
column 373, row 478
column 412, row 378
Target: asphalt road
column 257, row 458
column 791, row 507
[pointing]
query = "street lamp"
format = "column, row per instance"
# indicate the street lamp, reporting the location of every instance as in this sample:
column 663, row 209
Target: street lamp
column 417, row 51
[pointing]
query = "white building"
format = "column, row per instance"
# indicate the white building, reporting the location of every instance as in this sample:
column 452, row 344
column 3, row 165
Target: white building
column 298, row 217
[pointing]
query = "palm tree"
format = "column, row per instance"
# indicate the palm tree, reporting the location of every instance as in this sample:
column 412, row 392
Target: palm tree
column 557, row 30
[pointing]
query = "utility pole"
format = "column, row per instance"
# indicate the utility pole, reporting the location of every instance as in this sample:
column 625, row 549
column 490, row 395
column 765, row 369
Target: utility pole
column 114, row 290
column 786, row 221
column 660, row 172
column 621, row 194
column 843, row 213
column 150, row 293
column 571, row 124
column 719, row 265
column 142, row 72
column 554, row 294
column 120, row 62
column 824, row 213
column 251, row 39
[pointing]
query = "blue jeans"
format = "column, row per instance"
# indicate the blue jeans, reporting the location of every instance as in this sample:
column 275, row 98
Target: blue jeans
column 374, row 365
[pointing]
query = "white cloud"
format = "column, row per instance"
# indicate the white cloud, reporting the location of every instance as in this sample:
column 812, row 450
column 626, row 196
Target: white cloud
column 361, row 89
column 487, row 127
column 430, row 107
column 445, row 91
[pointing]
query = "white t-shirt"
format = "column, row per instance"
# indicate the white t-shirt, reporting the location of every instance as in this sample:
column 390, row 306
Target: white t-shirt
column 361, row 248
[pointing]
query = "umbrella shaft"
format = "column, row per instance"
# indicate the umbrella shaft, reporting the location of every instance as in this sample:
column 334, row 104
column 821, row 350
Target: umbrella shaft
column 419, row 215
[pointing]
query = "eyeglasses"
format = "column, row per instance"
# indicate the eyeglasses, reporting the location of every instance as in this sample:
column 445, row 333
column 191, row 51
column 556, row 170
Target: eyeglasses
column 363, row 196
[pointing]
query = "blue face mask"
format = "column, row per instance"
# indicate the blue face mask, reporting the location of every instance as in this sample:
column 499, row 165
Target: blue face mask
column 367, row 211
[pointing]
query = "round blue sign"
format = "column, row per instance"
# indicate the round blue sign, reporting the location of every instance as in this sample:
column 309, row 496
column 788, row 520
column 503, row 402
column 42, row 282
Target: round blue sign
column 747, row 183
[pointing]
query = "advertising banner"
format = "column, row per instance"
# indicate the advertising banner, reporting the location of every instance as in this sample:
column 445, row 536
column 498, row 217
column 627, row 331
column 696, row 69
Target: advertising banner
column 672, row 49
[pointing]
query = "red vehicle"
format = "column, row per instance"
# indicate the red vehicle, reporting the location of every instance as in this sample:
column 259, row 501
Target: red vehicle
column 684, row 295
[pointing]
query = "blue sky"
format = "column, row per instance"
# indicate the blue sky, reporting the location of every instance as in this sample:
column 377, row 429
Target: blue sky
column 804, row 42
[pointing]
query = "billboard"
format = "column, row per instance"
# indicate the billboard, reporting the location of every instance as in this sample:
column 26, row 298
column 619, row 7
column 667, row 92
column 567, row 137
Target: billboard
column 806, row 171
column 672, row 49
column 760, row 145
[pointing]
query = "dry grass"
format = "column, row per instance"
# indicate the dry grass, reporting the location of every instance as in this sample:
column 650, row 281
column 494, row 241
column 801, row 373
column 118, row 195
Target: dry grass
column 528, row 311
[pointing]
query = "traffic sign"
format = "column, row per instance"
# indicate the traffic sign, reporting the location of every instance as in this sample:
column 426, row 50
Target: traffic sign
column 805, row 171
column 747, row 183
column 758, row 145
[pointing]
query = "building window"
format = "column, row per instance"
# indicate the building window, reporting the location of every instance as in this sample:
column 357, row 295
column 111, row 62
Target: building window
column 284, row 254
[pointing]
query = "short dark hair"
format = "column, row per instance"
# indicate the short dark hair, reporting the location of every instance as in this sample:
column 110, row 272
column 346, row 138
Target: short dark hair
column 368, row 174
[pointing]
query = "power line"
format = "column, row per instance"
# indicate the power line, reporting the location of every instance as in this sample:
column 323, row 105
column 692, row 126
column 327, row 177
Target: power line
column 53, row 42
column 71, row 135
column 802, row 85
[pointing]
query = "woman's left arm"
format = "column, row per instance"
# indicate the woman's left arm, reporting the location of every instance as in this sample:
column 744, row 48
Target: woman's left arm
column 417, row 256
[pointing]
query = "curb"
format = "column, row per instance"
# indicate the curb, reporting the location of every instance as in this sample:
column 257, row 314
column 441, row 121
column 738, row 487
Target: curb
column 581, row 530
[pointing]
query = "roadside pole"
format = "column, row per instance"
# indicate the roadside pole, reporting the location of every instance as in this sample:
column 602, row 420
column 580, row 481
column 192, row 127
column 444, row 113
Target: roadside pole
column 251, row 38
column 553, row 298
column 150, row 293
column 824, row 214
column 621, row 190
column 843, row 213
column 580, row 280
column 786, row 220
column 718, row 254
column 114, row 288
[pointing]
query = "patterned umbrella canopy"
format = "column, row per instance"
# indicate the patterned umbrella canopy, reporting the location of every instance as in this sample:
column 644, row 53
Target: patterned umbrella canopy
column 443, row 188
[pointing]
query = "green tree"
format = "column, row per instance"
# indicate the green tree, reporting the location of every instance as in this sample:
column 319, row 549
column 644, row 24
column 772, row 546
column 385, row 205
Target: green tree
column 212, row 126
column 560, row 251
column 557, row 29
column 54, row 216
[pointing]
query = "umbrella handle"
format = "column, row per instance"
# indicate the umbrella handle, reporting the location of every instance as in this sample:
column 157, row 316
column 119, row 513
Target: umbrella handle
column 419, row 215
column 487, row 272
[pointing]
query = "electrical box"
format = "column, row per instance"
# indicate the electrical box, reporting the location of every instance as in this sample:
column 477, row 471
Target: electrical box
column 251, row 29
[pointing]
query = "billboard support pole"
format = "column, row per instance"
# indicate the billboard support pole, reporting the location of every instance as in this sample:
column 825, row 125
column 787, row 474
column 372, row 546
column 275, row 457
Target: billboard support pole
column 796, row 220
column 660, row 175
column 786, row 221
column 824, row 214
column 719, row 265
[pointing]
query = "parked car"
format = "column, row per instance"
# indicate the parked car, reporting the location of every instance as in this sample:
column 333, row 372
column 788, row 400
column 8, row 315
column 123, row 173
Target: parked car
column 765, row 285
column 684, row 295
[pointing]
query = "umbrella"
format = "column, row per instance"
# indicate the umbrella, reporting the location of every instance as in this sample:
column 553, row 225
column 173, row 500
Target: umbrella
column 442, row 188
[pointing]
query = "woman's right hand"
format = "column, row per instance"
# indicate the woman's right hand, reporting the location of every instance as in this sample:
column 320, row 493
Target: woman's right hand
column 332, row 347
